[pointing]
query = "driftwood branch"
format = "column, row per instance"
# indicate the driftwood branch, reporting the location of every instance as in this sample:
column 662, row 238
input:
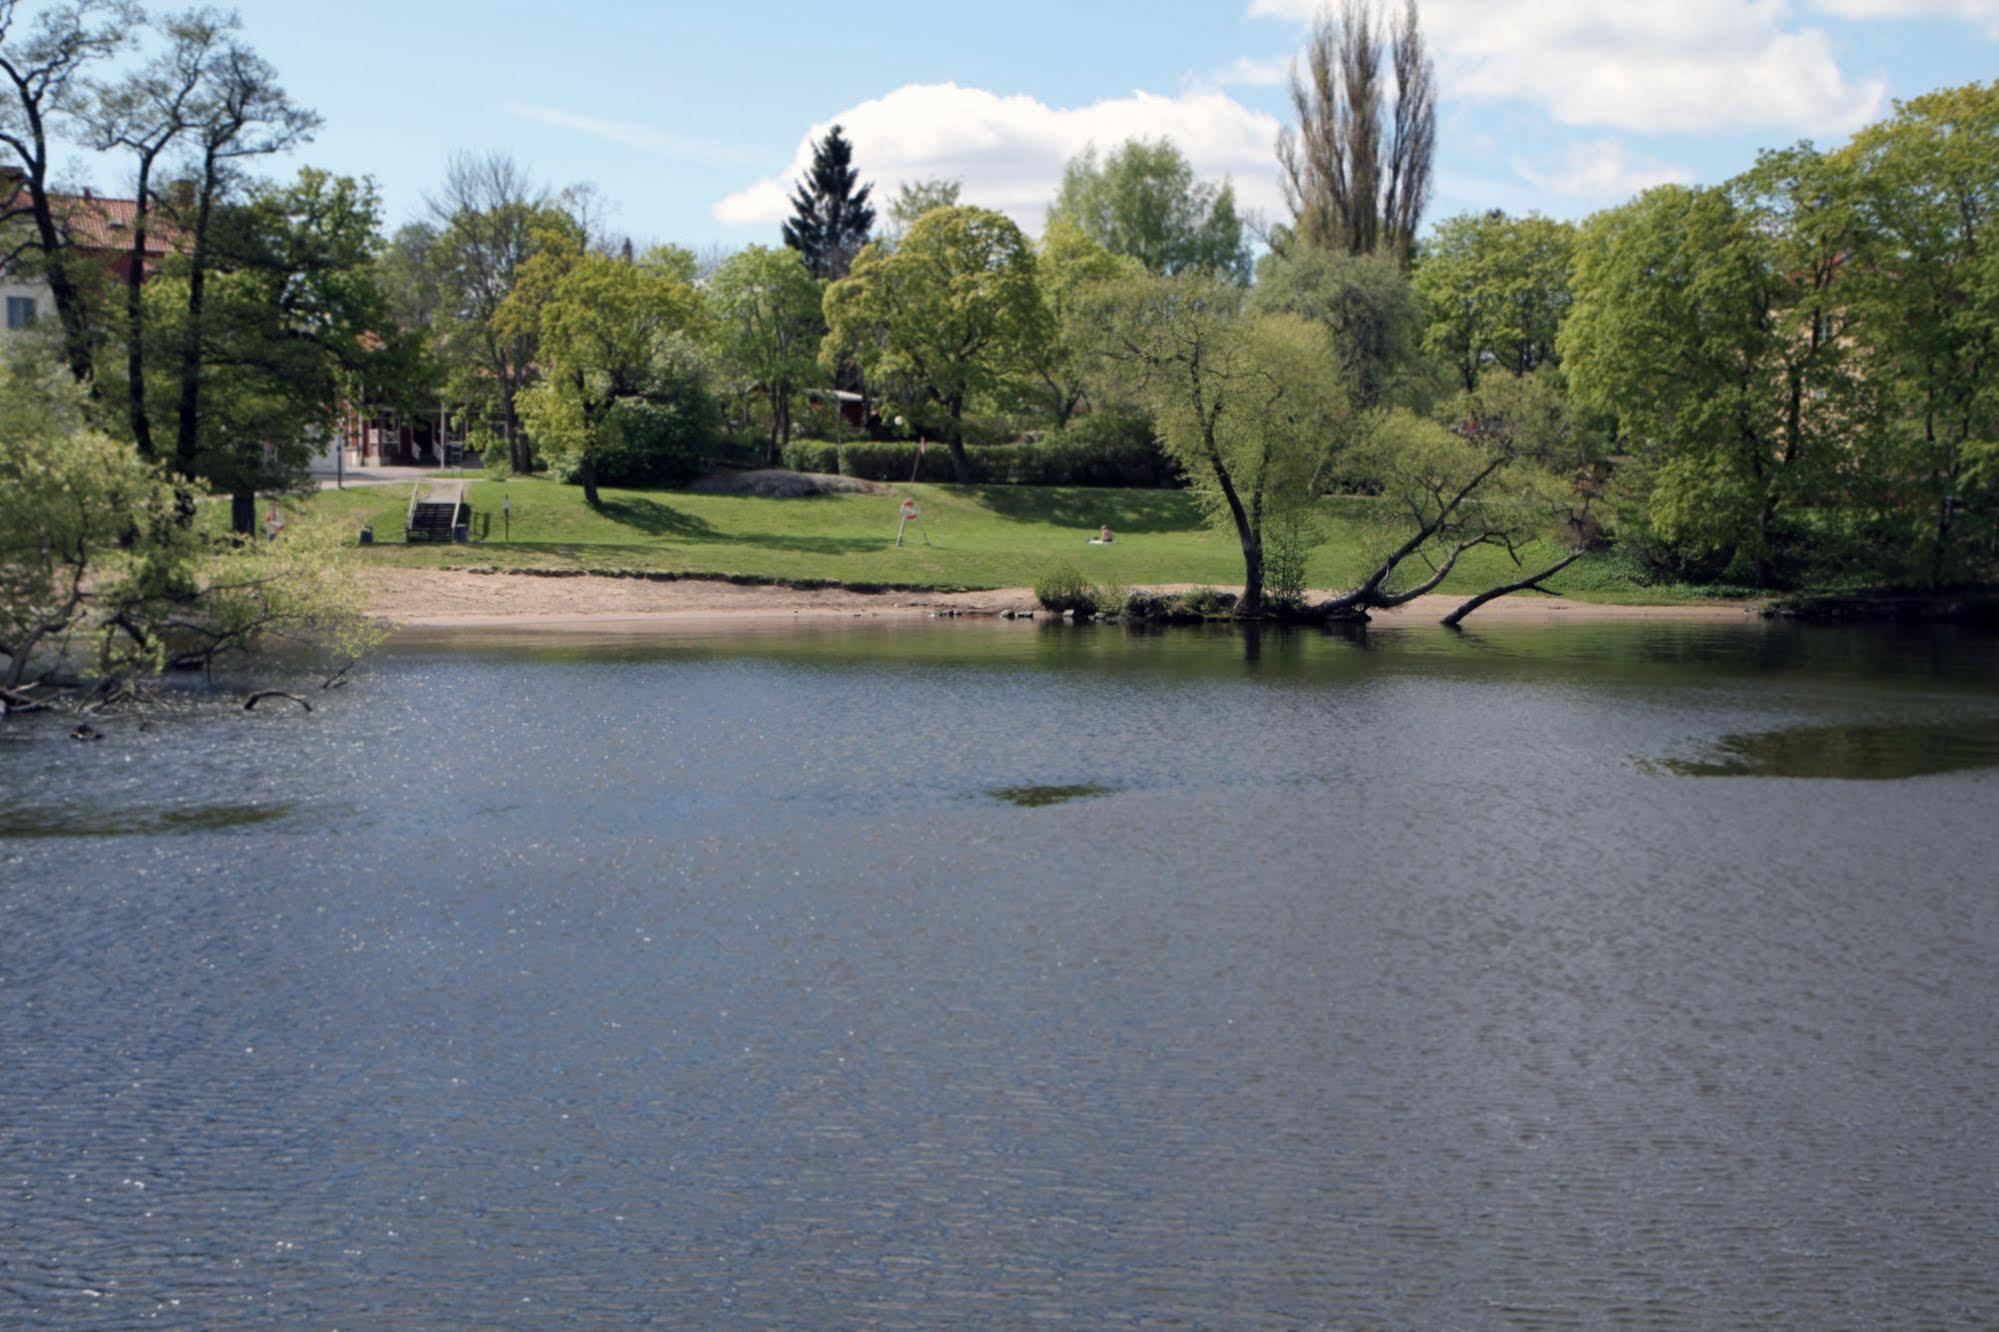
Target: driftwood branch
column 1531, row 583
column 250, row 703
column 17, row 700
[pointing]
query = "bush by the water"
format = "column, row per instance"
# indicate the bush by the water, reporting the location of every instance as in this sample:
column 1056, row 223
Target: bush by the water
column 1065, row 589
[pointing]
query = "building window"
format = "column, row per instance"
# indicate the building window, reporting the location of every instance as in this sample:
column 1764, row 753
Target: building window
column 20, row 311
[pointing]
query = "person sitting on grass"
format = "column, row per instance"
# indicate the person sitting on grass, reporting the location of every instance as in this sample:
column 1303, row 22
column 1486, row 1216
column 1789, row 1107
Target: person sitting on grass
column 1103, row 537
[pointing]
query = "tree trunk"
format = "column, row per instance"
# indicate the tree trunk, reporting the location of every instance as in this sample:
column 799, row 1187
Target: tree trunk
column 1251, row 604
column 187, row 441
column 63, row 289
column 587, row 474
column 519, row 454
column 961, row 466
column 243, row 512
column 135, row 322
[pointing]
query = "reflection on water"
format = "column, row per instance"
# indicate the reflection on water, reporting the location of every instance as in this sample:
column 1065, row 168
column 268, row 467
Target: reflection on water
column 790, row 978
column 74, row 821
column 1035, row 797
column 1858, row 752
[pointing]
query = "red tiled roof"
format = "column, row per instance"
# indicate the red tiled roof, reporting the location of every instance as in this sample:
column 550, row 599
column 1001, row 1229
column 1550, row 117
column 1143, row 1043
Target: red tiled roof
column 96, row 223
column 106, row 224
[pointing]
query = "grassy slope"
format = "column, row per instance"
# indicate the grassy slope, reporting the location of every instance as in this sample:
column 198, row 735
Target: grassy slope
column 983, row 536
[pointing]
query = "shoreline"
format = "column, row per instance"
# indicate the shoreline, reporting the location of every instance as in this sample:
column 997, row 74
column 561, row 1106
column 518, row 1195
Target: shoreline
column 440, row 600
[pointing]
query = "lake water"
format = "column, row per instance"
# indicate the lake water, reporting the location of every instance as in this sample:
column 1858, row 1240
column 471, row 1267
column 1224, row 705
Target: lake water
column 945, row 974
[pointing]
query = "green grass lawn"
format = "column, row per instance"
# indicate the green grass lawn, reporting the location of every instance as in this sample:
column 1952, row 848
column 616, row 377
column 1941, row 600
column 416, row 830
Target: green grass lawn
column 981, row 536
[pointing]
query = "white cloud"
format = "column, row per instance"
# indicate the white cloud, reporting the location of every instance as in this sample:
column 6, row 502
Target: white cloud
column 1245, row 72
column 628, row 134
column 1010, row 151
column 1984, row 13
column 1600, row 171
column 1656, row 65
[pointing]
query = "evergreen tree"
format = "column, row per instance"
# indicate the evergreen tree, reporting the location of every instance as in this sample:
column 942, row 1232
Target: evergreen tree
column 833, row 218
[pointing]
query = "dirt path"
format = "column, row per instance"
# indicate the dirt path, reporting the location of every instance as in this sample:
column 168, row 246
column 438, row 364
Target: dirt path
column 439, row 598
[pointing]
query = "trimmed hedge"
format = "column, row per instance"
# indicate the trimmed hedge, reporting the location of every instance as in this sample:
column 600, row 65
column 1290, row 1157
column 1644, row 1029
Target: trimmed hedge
column 1104, row 450
column 812, row 455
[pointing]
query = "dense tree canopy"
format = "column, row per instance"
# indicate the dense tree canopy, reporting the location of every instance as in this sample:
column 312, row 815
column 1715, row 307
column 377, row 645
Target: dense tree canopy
column 1143, row 201
column 954, row 311
column 1244, row 403
column 605, row 325
column 1494, row 291
column 764, row 312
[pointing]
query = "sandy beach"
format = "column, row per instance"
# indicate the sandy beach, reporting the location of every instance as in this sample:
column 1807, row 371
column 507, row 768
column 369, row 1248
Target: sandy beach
column 444, row 599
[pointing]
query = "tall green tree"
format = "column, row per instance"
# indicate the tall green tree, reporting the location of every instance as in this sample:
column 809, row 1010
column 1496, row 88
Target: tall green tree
column 1244, row 403
column 1069, row 266
column 1494, row 291
column 764, row 320
column 1365, row 304
column 145, row 116
column 1922, row 289
column 291, row 314
column 1143, row 201
column 488, row 221
column 604, row 326
column 1703, row 320
column 955, row 310
column 831, row 216
column 242, row 113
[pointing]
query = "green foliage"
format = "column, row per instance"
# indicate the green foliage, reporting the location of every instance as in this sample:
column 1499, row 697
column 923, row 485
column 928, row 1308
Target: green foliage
column 1365, row 304
column 914, row 198
column 495, row 459
column 1923, row 295
column 1247, row 405
column 607, row 335
column 1075, row 457
column 68, row 494
column 812, row 455
column 950, row 314
column 290, row 316
column 1494, row 291
column 763, row 316
column 100, row 575
column 1682, row 327
column 1065, row 589
column 1065, row 371
column 831, row 217
column 1143, row 202
column 889, row 461
column 1207, row 602
column 1291, row 537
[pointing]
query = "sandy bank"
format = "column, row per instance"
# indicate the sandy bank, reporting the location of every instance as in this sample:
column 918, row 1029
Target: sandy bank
column 442, row 599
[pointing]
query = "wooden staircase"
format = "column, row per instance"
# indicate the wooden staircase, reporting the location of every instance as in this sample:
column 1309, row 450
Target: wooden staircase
column 437, row 513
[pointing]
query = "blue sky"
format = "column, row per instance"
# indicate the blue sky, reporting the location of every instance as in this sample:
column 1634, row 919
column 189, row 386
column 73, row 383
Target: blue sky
column 691, row 119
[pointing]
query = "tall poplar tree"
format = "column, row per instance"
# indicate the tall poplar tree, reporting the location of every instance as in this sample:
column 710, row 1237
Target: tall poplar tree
column 1357, row 167
column 832, row 218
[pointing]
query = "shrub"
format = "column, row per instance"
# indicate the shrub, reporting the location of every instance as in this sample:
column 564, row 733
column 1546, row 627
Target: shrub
column 1289, row 541
column 812, row 455
column 1208, row 601
column 1065, row 589
column 495, row 458
column 896, row 462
